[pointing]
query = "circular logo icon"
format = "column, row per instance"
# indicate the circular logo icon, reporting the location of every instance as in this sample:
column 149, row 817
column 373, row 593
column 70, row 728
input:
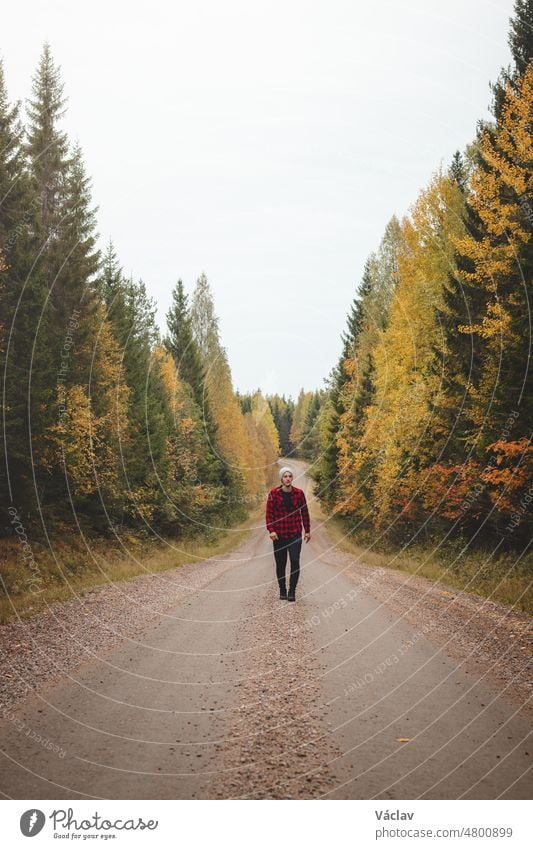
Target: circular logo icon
column 31, row 822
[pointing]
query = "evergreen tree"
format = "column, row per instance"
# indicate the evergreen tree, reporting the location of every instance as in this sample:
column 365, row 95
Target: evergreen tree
column 181, row 343
column 458, row 356
column 47, row 150
column 14, row 190
column 349, row 383
column 282, row 413
column 76, row 281
column 230, row 437
column 110, row 283
column 298, row 419
column 36, row 339
column 500, row 256
column 15, row 318
column 144, row 452
column 326, row 471
column 520, row 41
column 77, row 322
column 309, row 444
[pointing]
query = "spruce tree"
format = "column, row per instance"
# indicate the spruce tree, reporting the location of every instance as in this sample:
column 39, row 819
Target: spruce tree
column 309, row 443
column 47, row 150
column 15, row 317
column 181, row 344
column 222, row 414
column 180, row 341
column 14, row 190
column 327, row 468
column 144, row 457
column 282, row 413
column 36, row 339
column 76, row 280
column 459, row 360
column 520, row 40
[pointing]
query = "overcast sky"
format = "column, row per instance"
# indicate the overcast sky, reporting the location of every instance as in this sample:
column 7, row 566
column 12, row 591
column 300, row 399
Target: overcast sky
column 265, row 144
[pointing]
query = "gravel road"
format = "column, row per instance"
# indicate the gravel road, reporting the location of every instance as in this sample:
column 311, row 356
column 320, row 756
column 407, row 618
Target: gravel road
column 200, row 683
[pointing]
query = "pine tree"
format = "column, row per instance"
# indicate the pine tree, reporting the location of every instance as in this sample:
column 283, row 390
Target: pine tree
column 76, row 281
column 230, row 437
column 144, row 452
column 14, row 189
column 110, row 282
column 298, row 420
column 36, row 339
column 47, row 149
column 77, row 322
column 326, row 471
column 458, row 356
column 15, row 264
column 520, row 40
column 501, row 269
column 386, row 431
column 350, row 388
column 282, row 413
column 193, row 494
column 181, row 344
column 310, row 444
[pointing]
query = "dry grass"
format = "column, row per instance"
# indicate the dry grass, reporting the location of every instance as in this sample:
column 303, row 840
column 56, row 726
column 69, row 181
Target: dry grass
column 75, row 566
column 503, row 578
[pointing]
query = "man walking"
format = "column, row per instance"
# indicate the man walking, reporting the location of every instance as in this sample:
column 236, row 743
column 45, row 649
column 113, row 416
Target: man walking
column 286, row 510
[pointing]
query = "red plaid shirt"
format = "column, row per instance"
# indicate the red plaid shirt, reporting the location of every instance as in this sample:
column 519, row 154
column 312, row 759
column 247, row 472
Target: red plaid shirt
column 285, row 523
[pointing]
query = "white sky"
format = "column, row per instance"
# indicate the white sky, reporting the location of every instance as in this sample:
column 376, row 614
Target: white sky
column 266, row 144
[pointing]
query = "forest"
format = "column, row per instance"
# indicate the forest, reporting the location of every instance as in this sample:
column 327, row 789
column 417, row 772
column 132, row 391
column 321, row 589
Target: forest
column 422, row 430
column 425, row 433
column 107, row 423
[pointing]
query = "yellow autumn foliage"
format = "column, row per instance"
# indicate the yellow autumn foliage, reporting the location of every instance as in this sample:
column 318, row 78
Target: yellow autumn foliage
column 499, row 189
column 401, row 413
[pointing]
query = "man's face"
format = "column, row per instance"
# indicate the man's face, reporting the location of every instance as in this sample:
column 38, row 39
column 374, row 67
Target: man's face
column 287, row 479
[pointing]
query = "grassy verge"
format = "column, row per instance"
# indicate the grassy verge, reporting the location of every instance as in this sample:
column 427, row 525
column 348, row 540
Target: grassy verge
column 502, row 578
column 76, row 567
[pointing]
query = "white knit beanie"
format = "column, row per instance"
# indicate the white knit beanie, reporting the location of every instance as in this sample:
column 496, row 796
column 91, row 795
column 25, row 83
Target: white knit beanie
column 283, row 470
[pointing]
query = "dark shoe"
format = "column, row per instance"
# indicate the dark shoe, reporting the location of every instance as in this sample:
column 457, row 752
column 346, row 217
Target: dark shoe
column 283, row 594
column 291, row 595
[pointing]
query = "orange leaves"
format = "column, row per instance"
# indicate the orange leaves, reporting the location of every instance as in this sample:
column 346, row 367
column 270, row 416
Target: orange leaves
column 504, row 450
column 463, row 266
column 510, row 473
column 452, row 491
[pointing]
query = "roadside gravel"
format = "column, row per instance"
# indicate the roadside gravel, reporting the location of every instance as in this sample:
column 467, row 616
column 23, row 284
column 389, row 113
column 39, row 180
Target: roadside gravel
column 489, row 638
column 275, row 740
column 44, row 648
column 278, row 744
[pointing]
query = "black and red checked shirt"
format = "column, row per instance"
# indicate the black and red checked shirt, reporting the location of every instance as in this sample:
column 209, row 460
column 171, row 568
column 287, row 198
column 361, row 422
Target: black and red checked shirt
column 287, row 523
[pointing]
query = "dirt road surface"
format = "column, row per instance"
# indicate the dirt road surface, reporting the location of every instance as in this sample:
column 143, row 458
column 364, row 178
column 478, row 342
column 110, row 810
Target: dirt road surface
column 201, row 683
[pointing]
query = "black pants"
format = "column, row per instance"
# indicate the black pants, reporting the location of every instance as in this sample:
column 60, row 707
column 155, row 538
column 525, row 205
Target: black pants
column 281, row 548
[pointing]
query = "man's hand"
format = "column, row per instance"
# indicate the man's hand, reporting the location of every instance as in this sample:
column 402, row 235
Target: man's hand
column 307, row 537
column 273, row 535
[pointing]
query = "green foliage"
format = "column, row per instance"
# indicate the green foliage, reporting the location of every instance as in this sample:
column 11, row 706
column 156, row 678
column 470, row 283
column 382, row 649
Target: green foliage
column 105, row 427
column 282, row 410
column 181, row 344
column 425, row 429
column 520, row 41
